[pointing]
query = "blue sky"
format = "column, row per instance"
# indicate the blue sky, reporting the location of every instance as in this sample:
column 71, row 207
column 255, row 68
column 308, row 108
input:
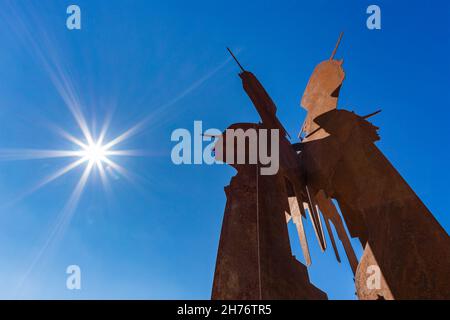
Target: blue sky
column 157, row 237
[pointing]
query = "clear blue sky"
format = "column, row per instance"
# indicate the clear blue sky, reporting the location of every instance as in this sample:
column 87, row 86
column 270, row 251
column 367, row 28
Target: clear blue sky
column 158, row 237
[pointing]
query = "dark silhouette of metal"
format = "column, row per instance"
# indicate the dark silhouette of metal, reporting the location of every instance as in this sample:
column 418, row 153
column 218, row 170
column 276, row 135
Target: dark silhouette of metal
column 235, row 59
column 335, row 162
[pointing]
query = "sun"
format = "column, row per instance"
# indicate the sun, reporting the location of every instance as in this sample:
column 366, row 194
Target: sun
column 95, row 153
column 89, row 150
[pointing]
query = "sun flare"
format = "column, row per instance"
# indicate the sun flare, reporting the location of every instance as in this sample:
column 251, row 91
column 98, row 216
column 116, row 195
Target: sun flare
column 95, row 153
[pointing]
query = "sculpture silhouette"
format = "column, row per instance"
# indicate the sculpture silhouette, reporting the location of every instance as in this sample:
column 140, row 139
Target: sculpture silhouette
column 336, row 159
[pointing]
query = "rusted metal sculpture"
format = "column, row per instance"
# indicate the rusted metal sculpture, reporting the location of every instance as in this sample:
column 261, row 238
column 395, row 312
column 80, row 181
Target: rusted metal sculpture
column 255, row 259
column 336, row 161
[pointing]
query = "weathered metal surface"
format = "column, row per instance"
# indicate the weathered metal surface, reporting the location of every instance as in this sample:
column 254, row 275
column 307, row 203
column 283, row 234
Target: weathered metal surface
column 336, row 160
column 254, row 260
column 410, row 247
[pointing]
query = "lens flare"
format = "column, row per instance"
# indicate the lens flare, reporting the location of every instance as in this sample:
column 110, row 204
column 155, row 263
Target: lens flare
column 94, row 153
